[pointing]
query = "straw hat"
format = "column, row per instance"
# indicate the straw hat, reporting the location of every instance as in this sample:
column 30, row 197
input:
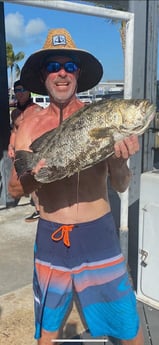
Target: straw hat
column 59, row 42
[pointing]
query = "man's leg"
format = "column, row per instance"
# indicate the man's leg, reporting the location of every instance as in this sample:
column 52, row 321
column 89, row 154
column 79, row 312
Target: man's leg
column 138, row 340
column 47, row 338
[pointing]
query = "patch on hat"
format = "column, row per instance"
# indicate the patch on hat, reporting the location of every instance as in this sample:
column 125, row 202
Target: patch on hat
column 58, row 40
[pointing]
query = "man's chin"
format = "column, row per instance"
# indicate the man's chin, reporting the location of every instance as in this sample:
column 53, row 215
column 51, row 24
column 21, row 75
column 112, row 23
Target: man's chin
column 63, row 100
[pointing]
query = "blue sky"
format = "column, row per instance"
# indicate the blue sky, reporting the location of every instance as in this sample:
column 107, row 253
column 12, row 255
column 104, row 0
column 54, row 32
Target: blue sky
column 27, row 28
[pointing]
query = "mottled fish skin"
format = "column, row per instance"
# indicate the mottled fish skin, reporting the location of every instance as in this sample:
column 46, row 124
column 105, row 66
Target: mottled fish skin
column 85, row 138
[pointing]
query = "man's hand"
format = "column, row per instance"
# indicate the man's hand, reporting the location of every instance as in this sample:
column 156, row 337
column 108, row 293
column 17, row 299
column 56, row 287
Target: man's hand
column 127, row 147
column 11, row 152
column 41, row 164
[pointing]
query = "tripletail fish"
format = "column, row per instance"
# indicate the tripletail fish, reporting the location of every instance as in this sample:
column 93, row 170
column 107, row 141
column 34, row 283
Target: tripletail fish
column 86, row 138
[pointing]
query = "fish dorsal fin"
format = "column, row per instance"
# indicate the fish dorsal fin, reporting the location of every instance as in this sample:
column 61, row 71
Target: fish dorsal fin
column 42, row 140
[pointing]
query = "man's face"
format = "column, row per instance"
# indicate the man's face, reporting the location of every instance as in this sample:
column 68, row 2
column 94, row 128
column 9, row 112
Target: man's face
column 21, row 94
column 61, row 78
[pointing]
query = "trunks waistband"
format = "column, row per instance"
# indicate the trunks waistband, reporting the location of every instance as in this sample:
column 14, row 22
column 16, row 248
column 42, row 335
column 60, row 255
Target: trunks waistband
column 63, row 230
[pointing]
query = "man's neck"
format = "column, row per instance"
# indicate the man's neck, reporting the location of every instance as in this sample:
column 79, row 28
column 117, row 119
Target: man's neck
column 65, row 110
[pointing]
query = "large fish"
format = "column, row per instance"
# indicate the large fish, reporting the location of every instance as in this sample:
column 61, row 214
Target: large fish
column 85, row 138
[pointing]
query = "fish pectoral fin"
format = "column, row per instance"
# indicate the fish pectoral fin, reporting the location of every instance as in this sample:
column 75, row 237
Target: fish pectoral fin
column 100, row 133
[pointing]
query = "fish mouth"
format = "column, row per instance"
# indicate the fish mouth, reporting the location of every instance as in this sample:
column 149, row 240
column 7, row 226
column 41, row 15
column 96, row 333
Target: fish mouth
column 141, row 128
column 150, row 116
column 152, row 112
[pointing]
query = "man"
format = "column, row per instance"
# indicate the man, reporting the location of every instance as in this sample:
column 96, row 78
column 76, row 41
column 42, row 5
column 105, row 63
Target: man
column 76, row 209
column 24, row 101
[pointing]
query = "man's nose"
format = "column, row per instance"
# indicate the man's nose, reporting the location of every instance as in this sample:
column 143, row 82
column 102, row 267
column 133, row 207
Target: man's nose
column 62, row 72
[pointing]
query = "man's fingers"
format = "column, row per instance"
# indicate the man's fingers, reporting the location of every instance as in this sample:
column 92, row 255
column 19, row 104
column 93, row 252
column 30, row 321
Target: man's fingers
column 41, row 164
column 127, row 147
column 132, row 144
column 121, row 150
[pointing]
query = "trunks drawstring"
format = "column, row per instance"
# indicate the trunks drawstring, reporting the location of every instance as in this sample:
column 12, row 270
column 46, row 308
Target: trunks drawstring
column 64, row 229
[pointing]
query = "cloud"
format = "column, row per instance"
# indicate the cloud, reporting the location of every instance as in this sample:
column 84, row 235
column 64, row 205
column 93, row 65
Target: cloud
column 35, row 27
column 20, row 34
column 14, row 26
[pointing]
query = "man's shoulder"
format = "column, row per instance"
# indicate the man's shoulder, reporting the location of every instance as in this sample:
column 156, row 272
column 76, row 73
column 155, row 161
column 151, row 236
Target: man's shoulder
column 36, row 106
column 33, row 107
column 34, row 110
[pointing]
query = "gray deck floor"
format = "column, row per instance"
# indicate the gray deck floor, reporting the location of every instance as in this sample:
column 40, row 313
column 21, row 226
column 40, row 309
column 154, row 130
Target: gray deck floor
column 150, row 323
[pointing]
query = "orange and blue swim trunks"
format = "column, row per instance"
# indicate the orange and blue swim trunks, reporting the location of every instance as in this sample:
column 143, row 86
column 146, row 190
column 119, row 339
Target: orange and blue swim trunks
column 84, row 259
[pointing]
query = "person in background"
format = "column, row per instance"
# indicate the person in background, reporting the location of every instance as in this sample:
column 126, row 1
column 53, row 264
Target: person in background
column 77, row 249
column 24, row 101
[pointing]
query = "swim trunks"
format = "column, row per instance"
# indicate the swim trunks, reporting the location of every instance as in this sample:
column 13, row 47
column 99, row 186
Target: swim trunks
column 90, row 265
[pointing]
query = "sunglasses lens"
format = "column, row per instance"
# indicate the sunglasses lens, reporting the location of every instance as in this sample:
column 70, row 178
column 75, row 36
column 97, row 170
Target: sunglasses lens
column 70, row 67
column 53, row 67
column 19, row 90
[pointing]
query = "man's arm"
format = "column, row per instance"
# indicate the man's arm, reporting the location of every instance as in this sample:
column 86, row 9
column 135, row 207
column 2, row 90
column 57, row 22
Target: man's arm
column 18, row 187
column 120, row 174
column 11, row 146
column 26, row 183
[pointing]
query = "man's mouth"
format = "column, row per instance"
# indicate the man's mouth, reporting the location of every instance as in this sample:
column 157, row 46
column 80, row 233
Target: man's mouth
column 62, row 84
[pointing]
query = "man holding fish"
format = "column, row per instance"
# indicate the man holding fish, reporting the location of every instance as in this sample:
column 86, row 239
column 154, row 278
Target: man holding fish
column 77, row 249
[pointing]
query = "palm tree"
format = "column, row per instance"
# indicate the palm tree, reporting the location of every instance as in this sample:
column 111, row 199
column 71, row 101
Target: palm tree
column 12, row 60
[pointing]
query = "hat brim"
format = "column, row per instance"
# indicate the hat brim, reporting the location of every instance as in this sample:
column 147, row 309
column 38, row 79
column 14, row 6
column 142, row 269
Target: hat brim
column 91, row 70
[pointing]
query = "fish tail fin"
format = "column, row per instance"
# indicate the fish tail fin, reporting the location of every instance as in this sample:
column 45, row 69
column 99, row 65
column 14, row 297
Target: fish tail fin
column 23, row 162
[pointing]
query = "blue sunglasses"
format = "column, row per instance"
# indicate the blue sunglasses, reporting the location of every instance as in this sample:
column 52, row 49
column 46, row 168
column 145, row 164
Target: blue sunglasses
column 19, row 90
column 54, row 66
